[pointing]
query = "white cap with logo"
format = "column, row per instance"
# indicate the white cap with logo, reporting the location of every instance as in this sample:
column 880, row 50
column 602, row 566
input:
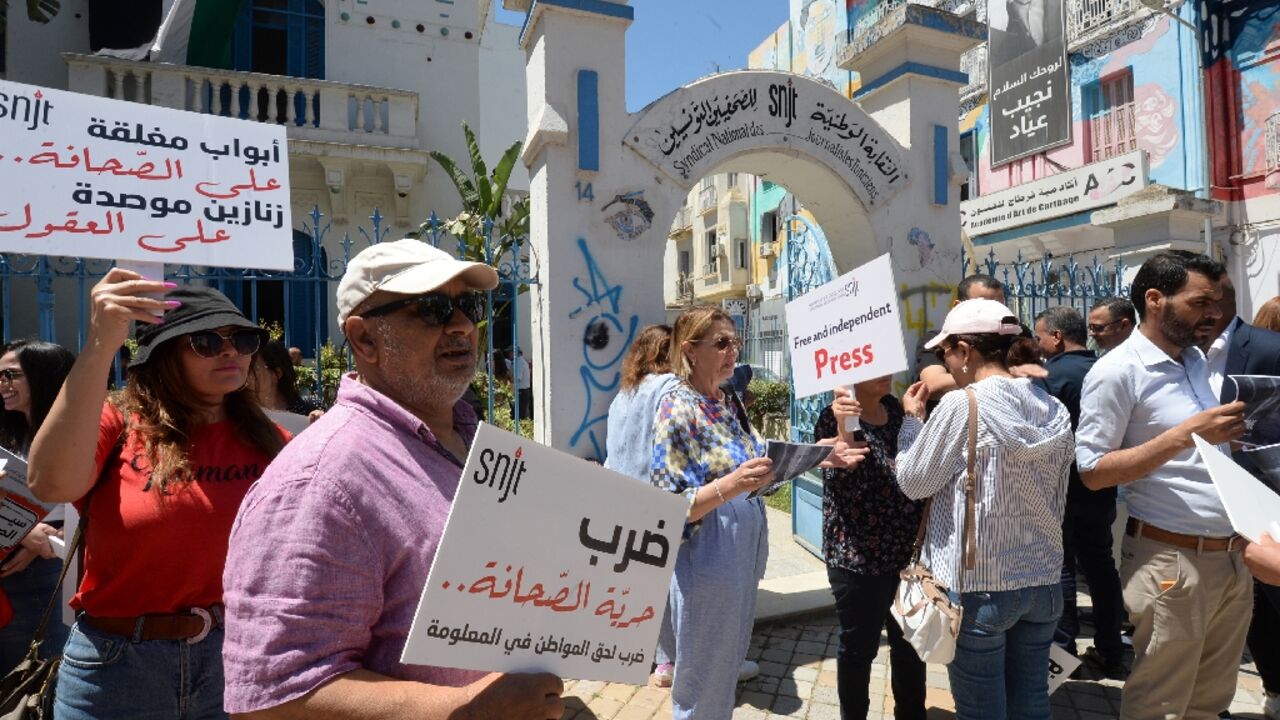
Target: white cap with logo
column 977, row 317
column 407, row 267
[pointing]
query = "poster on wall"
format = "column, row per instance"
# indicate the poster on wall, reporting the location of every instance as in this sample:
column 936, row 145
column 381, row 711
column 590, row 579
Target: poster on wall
column 1027, row 68
column 94, row 177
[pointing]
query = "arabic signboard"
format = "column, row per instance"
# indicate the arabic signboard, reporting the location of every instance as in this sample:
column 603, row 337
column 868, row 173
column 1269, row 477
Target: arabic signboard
column 93, row 177
column 846, row 331
column 689, row 132
column 1030, row 93
column 1066, row 193
column 548, row 563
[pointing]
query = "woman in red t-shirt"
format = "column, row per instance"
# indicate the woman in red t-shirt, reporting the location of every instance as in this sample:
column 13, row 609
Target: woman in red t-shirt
column 160, row 472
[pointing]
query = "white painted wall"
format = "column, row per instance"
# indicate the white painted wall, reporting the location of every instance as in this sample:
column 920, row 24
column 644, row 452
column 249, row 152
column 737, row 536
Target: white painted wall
column 31, row 48
column 597, row 288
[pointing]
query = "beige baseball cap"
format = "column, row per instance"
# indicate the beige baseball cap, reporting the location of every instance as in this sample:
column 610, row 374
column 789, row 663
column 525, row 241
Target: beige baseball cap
column 408, row 267
column 977, row 317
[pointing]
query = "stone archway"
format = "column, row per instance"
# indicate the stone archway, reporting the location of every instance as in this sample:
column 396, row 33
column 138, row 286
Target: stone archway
column 606, row 184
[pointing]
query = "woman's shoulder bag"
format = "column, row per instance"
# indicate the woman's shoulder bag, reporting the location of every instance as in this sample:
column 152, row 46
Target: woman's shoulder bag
column 922, row 607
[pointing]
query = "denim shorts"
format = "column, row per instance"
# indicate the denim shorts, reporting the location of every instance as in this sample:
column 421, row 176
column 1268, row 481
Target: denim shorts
column 104, row 676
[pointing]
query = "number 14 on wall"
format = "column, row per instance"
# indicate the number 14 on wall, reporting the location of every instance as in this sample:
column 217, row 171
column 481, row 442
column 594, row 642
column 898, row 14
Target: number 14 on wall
column 585, row 193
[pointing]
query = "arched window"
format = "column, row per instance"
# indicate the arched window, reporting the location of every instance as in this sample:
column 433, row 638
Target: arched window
column 280, row 37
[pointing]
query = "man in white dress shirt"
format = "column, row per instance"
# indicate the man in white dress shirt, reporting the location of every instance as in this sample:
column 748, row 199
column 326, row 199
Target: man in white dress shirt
column 1186, row 587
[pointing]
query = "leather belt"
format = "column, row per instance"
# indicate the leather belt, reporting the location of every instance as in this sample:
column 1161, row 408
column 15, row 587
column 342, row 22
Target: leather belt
column 192, row 626
column 1137, row 528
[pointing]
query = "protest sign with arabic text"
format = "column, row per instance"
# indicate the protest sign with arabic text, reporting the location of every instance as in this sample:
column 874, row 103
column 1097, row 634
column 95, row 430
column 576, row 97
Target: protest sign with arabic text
column 94, row 177
column 846, row 331
column 548, row 563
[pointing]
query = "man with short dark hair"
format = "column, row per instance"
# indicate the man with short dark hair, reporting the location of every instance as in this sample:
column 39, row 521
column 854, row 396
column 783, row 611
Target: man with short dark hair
column 932, row 372
column 1111, row 322
column 1089, row 515
column 1184, row 582
column 332, row 547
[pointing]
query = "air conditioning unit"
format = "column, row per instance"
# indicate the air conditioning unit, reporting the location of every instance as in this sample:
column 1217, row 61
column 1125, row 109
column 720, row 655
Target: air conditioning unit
column 768, row 249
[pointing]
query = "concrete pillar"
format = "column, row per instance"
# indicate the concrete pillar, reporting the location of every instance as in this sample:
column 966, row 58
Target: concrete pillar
column 909, row 64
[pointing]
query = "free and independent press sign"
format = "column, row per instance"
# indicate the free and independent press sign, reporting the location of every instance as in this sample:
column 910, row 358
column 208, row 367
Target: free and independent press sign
column 93, row 177
column 1085, row 188
column 846, row 331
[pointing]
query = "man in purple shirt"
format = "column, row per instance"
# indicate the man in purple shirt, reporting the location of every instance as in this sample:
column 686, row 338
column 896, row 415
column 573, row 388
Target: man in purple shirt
column 332, row 547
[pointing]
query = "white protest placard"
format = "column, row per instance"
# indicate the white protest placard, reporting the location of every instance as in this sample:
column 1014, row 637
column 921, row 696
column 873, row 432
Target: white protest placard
column 548, row 563
column 1251, row 506
column 1061, row 665
column 95, row 177
column 20, row 510
column 846, row 331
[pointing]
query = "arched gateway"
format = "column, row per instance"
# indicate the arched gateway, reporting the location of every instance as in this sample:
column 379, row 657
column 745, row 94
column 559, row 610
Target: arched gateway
column 879, row 175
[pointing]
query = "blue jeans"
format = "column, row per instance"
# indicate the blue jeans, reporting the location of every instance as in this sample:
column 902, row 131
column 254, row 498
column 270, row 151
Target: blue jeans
column 29, row 593
column 1001, row 668
column 104, row 676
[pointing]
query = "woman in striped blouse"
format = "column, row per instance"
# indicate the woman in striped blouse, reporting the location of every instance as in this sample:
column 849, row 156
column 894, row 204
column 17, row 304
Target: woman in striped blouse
column 1010, row 595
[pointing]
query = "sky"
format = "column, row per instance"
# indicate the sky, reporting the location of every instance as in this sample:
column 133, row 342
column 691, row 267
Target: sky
column 673, row 42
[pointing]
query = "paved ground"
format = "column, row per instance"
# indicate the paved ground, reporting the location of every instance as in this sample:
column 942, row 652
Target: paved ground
column 798, row 680
column 798, row 666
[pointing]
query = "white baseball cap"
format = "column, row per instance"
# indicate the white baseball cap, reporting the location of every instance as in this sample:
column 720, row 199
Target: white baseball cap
column 408, row 267
column 977, row 317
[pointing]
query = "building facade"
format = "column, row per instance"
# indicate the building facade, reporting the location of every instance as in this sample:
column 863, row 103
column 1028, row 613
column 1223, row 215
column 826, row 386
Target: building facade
column 365, row 88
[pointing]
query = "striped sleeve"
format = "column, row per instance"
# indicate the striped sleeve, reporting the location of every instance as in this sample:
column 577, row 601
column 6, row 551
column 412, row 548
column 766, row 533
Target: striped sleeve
column 930, row 455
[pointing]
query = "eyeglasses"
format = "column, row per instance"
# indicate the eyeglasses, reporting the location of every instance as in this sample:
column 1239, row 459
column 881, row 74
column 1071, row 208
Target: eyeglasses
column 436, row 308
column 1095, row 328
column 208, row 343
column 723, row 342
column 8, row 376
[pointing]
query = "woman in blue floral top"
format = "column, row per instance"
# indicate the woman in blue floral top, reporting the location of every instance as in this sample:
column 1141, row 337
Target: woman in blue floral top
column 704, row 449
column 868, row 529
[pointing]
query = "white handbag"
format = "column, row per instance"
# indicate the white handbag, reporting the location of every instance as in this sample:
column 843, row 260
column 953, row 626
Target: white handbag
column 922, row 606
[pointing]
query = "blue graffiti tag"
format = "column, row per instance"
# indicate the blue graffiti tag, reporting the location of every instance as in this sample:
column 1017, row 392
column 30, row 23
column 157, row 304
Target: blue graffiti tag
column 603, row 329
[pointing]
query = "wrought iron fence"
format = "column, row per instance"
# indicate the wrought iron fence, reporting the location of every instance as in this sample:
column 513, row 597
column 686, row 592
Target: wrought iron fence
column 298, row 300
column 1035, row 285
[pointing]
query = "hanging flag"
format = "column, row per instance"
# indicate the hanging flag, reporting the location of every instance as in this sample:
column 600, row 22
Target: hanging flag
column 197, row 32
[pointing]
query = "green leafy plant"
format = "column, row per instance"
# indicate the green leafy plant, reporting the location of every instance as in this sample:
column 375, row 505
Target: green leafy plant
column 331, row 364
column 481, row 192
column 503, row 396
column 771, row 408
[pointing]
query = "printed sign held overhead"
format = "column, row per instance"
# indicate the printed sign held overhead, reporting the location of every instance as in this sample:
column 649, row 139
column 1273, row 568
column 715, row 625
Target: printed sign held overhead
column 548, row 563
column 846, row 331
column 94, row 177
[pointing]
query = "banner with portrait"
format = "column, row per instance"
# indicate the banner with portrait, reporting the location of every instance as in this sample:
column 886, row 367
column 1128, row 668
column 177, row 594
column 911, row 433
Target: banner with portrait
column 1027, row 76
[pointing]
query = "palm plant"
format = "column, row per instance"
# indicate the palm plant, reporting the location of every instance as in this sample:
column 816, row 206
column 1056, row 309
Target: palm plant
column 482, row 194
column 41, row 11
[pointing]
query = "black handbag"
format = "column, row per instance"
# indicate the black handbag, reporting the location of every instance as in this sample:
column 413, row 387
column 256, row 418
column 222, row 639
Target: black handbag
column 26, row 693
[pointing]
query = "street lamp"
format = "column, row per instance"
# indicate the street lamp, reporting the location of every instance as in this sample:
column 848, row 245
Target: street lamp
column 1207, row 175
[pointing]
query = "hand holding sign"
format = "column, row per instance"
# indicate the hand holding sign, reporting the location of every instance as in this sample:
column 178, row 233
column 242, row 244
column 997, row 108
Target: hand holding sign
column 119, row 298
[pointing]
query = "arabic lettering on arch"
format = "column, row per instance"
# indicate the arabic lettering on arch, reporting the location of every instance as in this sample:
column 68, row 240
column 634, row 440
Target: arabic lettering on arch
column 566, row 571
column 94, row 177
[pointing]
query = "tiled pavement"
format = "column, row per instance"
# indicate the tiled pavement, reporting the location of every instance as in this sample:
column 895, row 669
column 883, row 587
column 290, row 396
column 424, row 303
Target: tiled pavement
column 798, row 680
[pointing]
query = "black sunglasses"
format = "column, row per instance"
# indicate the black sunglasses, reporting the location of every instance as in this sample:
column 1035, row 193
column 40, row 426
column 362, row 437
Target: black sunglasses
column 208, row 343
column 1097, row 328
column 8, row 376
column 436, row 308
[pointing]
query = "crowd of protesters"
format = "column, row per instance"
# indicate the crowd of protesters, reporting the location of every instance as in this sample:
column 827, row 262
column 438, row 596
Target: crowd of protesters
column 229, row 568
